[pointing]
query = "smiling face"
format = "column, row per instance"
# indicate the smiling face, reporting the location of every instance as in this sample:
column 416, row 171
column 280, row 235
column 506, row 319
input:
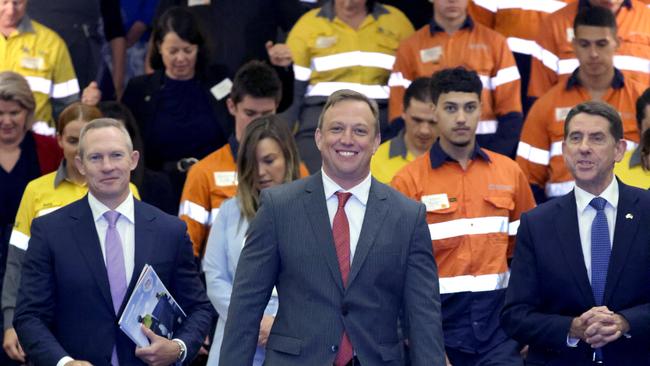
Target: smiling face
column 107, row 163
column 347, row 140
column 590, row 152
column 178, row 56
column 13, row 119
column 11, row 12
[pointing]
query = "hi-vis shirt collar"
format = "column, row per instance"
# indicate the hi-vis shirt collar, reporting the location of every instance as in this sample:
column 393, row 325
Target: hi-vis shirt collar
column 617, row 82
column 327, row 10
column 435, row 28
column 25, row 25
column 438, row 156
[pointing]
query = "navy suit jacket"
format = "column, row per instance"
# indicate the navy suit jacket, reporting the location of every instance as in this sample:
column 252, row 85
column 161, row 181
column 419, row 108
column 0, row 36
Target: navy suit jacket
column 549, row 284
column 64, row 302
column 290, row 246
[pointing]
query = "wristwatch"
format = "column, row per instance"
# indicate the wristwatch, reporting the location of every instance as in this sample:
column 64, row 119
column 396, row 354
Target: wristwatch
column 182, row 351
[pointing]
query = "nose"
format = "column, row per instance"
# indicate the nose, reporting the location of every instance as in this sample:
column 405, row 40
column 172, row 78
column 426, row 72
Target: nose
column 584, row 146
column 261, row 170
column 107, row 164
column 346, row 136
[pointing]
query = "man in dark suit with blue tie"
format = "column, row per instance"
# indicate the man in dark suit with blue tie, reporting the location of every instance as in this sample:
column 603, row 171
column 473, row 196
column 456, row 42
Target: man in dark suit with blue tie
column 346, row 253
column 84, row 260
column 579, row 292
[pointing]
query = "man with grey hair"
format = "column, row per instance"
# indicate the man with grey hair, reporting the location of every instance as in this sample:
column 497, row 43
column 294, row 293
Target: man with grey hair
column 346, row 254
column 578, row 292
column 84, row 259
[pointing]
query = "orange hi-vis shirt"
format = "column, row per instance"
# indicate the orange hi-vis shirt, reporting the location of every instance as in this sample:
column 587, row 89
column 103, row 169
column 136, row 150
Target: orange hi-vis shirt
column 518, row 21
column 554, row 60
column 473, row 214
column 209, row 182
column 475, row 47
column 540, row 150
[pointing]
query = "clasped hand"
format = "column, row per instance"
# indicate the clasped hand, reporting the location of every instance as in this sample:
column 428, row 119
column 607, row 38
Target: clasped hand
column 598, row 326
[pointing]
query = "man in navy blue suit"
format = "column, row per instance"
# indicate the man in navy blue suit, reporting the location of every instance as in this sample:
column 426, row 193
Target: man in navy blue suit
column 84, row 260
column 579, row 292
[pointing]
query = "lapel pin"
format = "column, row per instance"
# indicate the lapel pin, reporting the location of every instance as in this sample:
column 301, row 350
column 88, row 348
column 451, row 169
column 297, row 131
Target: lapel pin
column 629, row 216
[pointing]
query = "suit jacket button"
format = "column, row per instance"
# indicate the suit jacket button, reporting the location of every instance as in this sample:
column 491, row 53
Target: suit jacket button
column 334, row 348
column 344, row 309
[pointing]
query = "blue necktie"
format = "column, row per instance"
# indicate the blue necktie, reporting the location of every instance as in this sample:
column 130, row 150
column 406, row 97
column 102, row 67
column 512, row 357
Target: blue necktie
column 600, row 251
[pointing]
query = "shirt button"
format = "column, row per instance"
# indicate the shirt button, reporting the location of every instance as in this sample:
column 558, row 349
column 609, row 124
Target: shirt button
column 334, row 348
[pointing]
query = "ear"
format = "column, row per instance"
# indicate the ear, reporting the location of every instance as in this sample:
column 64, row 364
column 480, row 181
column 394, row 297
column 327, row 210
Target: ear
column 79, row 164
column 135, row 157
column 376, row 143
column 621, row 147
column 318, row 136
column 59, row 140
column 232, row 108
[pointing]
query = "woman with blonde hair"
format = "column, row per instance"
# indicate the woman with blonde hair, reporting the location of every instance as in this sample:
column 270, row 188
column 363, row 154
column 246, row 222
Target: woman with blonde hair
column 267, row 157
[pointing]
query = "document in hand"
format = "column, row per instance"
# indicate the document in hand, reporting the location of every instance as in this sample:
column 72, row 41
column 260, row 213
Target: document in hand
column 152, row 305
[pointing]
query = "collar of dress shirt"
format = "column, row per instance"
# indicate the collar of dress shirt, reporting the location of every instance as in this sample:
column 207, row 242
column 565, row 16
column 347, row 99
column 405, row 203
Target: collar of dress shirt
column 125, row 208
column 610, row 194
column 360, row 191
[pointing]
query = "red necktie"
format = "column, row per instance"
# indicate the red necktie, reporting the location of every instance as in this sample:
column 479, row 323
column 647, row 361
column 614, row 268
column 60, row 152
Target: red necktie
column 341, row 233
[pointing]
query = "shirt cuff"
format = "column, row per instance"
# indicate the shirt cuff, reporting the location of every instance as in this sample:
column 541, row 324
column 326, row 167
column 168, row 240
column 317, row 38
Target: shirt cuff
column 572, row 342
column 64, row 360
column 184, row 347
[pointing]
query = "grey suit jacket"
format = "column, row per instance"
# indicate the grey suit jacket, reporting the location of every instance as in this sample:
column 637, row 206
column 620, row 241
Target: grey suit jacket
column 290, row 245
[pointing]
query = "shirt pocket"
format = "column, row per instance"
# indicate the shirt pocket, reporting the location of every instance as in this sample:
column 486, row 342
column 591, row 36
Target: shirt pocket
column 444, row 233
column 497, row 218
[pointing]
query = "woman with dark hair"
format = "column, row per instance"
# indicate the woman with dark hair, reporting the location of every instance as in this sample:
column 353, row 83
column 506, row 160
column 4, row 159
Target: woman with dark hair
column 267, row 157
column 155, row 187
column 180, row 108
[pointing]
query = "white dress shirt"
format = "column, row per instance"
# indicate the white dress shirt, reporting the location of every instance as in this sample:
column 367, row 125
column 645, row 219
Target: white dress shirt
column 355, row 208
column 586, row 215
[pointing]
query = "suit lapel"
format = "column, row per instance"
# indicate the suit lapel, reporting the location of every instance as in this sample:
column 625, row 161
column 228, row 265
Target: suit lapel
column 145, row 239
column 87, row 240
column 627, row 224
column 316, row 208
column 568, row 234
column 376, row 210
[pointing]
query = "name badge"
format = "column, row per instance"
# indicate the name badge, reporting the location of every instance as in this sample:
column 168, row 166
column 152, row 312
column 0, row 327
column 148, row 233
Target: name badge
column 221, row 89
column 561, row 113
column 225, row 179
column 435, row 202
column 431, row 54
column 32, row 63
column 197, row 2
column 325, row 41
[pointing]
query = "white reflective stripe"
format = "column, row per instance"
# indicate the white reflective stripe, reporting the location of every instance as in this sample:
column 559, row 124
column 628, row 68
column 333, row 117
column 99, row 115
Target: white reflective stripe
column 354, row 58
column 327, row 88
column 546, row 6
column 468, row 226
column 631, row 145
column 524, row 46
column 213, row 215
column 505, row 76
column 65, row 89
column 556, row 148
column 39, row 84
column 632, row 63
column 487, row 127
column 485, row 79
column 548, row 58
column 301, row 73
column 195, row 212
column 533, row 154
column 46, row 211
column 567, row 66
column 398, row 79
column 19, row 240
column 513, row 227
column 468, row 283
column 43, row 128
column 559, row 189
column 490, row 5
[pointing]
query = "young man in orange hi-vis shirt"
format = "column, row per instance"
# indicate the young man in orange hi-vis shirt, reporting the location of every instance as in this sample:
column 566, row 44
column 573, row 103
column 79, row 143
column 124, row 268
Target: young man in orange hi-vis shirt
column 454, row 39
column 256, row 92
column 540, row 150
column 474, row 198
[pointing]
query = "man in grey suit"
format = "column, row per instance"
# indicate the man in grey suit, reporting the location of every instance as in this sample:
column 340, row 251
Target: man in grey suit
column 346, row 253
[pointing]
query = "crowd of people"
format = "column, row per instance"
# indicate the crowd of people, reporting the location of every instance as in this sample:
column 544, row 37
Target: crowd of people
column 327, row 182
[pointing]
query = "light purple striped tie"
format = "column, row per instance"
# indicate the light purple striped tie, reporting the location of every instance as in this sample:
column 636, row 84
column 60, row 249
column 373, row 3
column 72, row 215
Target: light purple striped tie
column 115, row 267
